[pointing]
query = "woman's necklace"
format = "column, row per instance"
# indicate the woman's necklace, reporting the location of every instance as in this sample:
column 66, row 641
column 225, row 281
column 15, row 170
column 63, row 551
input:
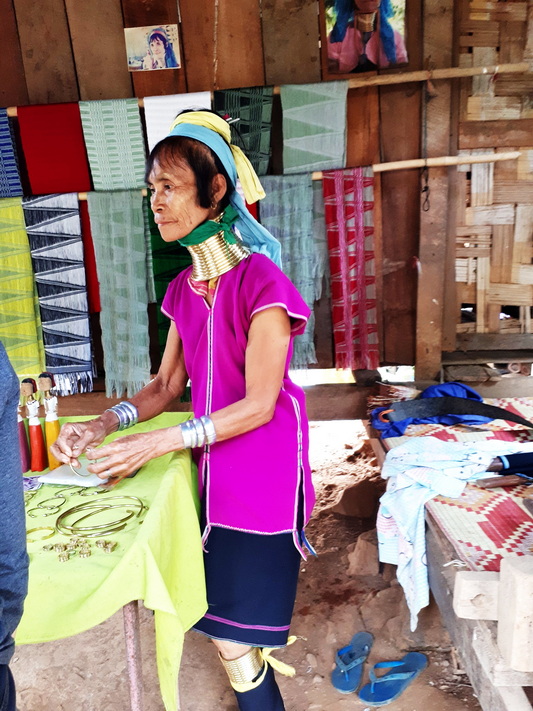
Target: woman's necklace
column 215, row 256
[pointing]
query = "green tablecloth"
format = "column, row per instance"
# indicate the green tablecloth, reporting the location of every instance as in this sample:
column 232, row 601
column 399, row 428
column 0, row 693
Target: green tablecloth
column 159, row 562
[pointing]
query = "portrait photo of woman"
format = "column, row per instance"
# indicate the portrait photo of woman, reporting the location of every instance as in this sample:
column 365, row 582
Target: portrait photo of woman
column 151, row 48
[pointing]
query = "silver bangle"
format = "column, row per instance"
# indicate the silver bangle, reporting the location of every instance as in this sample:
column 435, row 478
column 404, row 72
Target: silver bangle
column 209, row 429
column 194, row 432
column 187, row 434
column 127, row 414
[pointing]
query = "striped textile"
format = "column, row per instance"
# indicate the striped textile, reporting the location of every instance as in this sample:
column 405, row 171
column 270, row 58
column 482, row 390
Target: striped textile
column 160, row 112
column 314, row 126
column 54, row 233
column 20, row 323
column 117, row 228
column 115, row 143
column 9, row 175
column 287, row 212
column 348, row 203
column 253, row 108
column 168, row 260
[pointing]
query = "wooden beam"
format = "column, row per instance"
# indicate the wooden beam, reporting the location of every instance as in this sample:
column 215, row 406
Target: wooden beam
column 438, row 42
column 490, row 134
column 13, row 85
column 494, row 341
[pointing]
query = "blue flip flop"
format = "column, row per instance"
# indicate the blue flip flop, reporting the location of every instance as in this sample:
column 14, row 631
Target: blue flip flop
column 349, row 661
column 384, row 689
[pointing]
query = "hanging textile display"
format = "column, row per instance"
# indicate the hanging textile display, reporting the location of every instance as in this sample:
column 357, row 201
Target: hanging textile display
column 252, row 109
column 287, row 212
column 91, row 275
column 9, row 174
column 319, row 235
column 160, row 112
column 314, row 126
column 54, row 233
column 54, row 149
column 20, row 323
column 115, row 143
column 168, row 260
column 117, row 228
column 150, row 283
column 348, row 202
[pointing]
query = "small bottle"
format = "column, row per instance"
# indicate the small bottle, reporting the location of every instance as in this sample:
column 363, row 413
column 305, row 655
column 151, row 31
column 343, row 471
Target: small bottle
column 23, row 442
column 38, row 458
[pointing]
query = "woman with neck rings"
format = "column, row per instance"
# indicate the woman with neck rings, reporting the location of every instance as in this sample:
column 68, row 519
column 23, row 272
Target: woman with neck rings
column 233, row 318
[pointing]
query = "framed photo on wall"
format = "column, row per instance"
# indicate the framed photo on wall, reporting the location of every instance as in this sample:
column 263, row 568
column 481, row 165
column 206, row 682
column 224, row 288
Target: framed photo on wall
column 152, row 47
column 361, row 36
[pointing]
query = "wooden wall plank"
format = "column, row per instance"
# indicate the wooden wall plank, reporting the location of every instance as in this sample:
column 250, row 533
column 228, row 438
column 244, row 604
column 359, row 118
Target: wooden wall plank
column 144, row 14
column 501, row 263
column 438, row 44
column 13, row 91
column 46, row 51
column 512, row 41
column 291, row 41
column 520, row 191
column 400, row 191
column 97, row 34
column 489, row 134
column 362, row 127
column 223, row 48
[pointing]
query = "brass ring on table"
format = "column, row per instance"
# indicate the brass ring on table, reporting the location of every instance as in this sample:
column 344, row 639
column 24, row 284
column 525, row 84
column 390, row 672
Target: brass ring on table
column 51, row 512
column 40, row 528
column 40, row 505
column 74, row 527
column 99, row 529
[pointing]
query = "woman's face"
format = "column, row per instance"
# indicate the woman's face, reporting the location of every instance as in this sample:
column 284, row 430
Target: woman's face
column 367, row 6
column 157, row 47
column 174, row 201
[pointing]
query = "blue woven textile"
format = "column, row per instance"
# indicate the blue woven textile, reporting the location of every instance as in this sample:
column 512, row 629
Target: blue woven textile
column 9, row 175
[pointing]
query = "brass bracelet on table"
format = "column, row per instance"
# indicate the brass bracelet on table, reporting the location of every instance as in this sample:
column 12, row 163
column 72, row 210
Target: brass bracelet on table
column 40, row 528
column 99, row 529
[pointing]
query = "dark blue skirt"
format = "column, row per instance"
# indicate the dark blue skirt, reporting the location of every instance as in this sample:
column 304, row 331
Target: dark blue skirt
column 251, row 582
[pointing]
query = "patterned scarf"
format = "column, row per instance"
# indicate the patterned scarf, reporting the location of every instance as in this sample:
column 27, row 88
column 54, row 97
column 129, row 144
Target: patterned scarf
column 115, row 143
column 348, row 201
column 168, row 259
column 314, row 126
column 9, row 175
column 253, row 108
column 54, row 233
column 20, row 323
column 117, row 228
column 287, row 212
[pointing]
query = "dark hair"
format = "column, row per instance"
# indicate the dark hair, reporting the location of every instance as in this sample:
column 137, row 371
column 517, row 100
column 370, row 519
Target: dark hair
column 204, row 163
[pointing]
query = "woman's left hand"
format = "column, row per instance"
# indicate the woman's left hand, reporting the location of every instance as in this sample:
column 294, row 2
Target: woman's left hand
column 126, row 455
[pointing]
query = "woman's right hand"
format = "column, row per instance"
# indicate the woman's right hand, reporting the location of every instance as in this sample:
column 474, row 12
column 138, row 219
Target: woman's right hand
column 75, row 438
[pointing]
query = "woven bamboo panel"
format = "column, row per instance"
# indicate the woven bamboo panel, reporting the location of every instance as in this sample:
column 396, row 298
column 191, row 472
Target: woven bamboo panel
column 494, row 234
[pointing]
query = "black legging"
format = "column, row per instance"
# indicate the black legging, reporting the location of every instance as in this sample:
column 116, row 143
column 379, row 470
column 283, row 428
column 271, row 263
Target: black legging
column 7, row 689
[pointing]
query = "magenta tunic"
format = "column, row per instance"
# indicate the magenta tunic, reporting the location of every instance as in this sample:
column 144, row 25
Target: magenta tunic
column 252, row 482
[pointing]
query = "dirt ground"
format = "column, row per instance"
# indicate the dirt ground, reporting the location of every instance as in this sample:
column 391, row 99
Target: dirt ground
column 88, row 672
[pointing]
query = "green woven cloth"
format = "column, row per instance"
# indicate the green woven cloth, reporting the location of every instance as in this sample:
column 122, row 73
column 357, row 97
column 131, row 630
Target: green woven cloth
column 159, row 562
column 168, row 260
column 20, row 321
column 117, row 228
column 287, row 212
column 253, row 108
column 314, row 126
column 115, row 144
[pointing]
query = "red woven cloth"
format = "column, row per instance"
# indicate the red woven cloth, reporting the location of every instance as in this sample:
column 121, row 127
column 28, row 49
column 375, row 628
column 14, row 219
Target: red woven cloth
column 348, row 205
column 91, row 275
column 54, row 149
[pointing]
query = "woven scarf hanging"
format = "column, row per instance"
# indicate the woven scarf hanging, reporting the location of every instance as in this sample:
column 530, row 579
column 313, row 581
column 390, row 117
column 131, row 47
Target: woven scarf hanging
column 91, row 275
column 253, row 109
column 20, row 324
column 9, row 175
column 54, row 233
column 348, row 202
column 287, row 211
column 115, row 143
column 160, row 112
column 117, row 228
column 54, row 149
column 314, row 126
column 168, row 260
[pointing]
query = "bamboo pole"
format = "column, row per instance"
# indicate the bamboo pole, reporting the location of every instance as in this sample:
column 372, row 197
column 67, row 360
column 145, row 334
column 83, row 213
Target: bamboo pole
column 437, row 162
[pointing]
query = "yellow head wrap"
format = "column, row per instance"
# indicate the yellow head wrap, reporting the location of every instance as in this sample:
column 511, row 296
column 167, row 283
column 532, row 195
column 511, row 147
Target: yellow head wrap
column 252, row 188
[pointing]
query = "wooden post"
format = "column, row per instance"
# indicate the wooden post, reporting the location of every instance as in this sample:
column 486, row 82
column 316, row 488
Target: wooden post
column 515, row 614
column 438, row 42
